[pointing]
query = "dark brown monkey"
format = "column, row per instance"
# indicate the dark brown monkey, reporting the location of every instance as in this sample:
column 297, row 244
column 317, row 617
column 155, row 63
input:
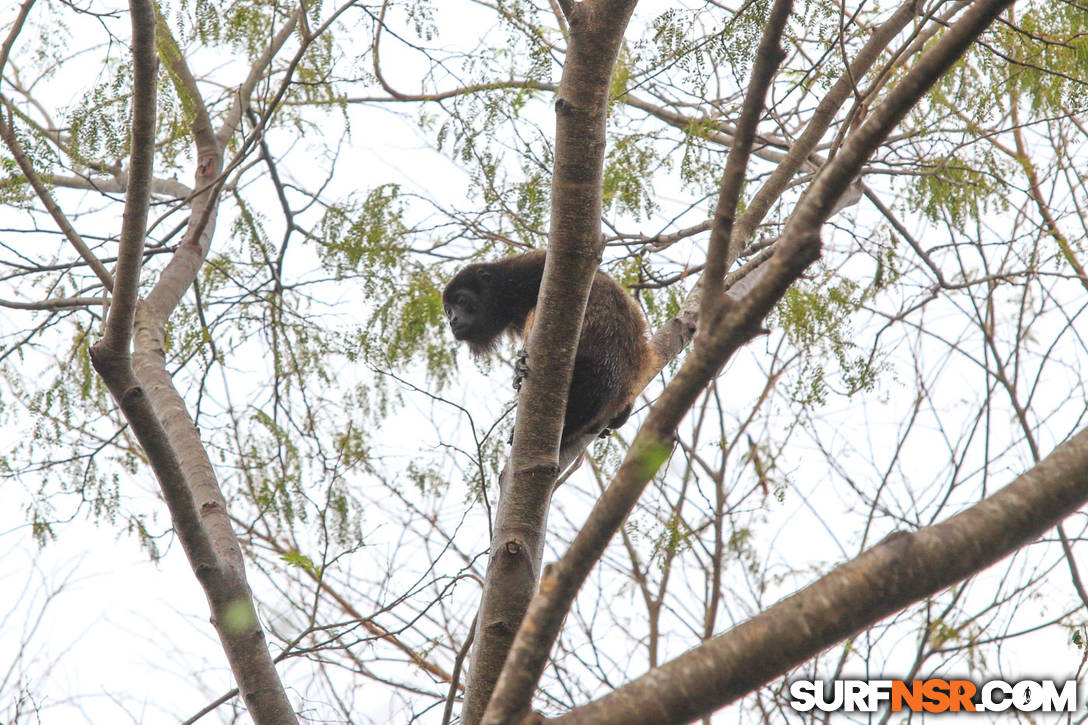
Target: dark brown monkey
column 484, row 300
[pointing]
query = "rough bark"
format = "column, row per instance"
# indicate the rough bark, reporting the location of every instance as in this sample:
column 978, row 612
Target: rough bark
column 527, row 660
column 581, row 108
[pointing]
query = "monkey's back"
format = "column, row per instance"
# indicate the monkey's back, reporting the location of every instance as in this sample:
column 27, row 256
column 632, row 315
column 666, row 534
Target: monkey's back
column 613, row 353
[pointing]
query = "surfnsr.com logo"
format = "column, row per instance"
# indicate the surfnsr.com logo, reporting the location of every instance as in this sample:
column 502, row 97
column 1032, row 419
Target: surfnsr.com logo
column 933, row 695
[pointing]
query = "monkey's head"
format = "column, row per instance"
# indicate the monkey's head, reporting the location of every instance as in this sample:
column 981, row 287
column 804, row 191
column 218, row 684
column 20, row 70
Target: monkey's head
column 471, row 310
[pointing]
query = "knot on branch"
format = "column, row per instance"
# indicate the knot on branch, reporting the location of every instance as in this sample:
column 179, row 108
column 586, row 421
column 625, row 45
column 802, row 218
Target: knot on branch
column 500, row 628
column 533, row 474
column 810, row 247
column 131, row 395
column 563, row 107
column 733, row 317
column 204, row 571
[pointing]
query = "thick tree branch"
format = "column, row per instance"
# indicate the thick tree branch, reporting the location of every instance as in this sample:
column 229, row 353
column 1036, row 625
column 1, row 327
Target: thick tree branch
column 898, row 571
column 118, row 332
column 144, row 387
column 581, row 107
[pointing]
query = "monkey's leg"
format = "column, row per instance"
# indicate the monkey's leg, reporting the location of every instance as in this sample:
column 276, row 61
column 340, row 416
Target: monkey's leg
column 521, row 368
column 591, row 394
column 619, row 420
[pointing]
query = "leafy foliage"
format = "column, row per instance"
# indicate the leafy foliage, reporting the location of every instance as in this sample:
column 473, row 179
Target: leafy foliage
column 816, row 321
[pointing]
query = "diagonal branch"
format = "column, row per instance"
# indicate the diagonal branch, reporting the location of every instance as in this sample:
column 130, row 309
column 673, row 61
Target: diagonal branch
column 821, row 120
column 7, row 133
column 769, row 55
column 574, row 248
column 16, row 28
column 672, row 337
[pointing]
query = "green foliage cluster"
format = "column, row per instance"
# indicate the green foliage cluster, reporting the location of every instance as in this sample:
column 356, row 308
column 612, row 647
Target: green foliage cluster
column 628, row 172
column 365, row 234
column 532, row 204
column 816, row 320
column 700, row 166
column 512, row 191
column 365, row 240
column 242, row 25
column 680, row 43
column 1048, row 61
column 55, row 411
column 99, row 118
column 1036, row 68
column 15, row 191
column 961, row 188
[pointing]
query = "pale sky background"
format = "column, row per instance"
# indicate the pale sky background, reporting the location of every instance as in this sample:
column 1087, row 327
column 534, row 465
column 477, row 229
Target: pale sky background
column 122, row 624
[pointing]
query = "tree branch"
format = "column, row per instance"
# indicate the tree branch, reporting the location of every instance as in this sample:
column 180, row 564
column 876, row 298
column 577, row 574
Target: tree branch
column 672, row 337
column 769, row 55
column 60, row 303
column 817, row 126
column 574, row 249
column 145, row 389
column 118, row 184
column 898, row 571
column 7, row 133
column 16, row 28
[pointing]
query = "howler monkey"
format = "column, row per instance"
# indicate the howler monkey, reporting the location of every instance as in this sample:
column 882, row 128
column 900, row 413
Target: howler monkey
column 484, row 300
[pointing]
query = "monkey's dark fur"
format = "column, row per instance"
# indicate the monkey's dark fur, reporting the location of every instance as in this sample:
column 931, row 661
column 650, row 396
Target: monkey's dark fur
column 484, row 300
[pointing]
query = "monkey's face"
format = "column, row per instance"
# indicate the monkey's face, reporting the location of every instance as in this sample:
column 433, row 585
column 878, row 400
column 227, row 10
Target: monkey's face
column 463, row 309
column 466, row 302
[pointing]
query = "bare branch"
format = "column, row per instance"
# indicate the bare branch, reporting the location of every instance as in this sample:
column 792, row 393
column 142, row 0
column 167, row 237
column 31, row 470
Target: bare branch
column 63, row 303
column 7, row 133
column 16, row 28
column 821, row 120
column 118, row 184
column 768, row 57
